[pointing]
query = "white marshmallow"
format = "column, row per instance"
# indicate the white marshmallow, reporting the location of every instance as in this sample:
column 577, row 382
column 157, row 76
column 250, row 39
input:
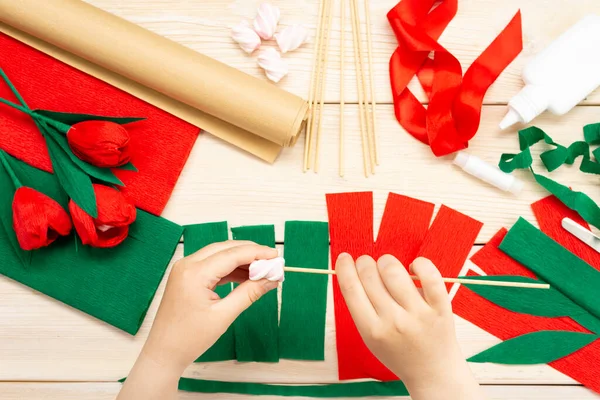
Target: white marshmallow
column 267, row 18
column 269, row 269
column 245, row 37
column 291, row 38
column 275, row 67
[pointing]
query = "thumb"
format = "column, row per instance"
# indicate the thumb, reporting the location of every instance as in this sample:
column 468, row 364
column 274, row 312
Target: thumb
column 244, row 296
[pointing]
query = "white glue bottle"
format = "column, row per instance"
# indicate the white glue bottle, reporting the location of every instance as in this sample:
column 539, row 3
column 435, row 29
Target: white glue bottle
column 488, row 173
column 560, row 76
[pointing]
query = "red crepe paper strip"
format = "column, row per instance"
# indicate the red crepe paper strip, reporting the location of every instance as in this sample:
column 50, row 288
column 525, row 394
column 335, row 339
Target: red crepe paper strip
column 449, row 241
column 549, row 213
column 404, row 224
column 404, row 232
column 161, row 145
column 453, row 114
column 505, row 324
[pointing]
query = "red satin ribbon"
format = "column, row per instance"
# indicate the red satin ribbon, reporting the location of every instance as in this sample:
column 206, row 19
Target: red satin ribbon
column 454, row 110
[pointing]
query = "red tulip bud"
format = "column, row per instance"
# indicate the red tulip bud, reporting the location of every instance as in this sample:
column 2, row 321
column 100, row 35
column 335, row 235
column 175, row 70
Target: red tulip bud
column 100, row 143
column 38, row 220
column 115, row 214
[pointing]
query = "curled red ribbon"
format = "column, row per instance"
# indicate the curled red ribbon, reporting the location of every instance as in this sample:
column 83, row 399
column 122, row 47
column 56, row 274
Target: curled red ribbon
column 454, row 111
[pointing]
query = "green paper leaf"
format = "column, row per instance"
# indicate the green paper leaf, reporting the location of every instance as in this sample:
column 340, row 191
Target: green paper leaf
column 76, row 183
column 102, row 174
column 72, row 118
column 535, row 348
column 196, row 237
column 542, row 303
column 128, row 167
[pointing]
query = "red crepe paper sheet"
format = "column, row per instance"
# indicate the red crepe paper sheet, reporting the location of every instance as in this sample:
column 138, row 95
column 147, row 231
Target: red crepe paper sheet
column 453, row 114
column 404, row 232
column 449, row 241
column 161, row 144
column 506, row 324
column 549, row 213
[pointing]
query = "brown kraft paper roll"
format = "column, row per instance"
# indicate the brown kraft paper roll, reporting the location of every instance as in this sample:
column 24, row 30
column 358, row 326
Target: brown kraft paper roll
column 238, row 108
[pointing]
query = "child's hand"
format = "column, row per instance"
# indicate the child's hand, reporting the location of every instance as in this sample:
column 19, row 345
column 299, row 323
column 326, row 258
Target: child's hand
column 191, row 316
column 412, row 334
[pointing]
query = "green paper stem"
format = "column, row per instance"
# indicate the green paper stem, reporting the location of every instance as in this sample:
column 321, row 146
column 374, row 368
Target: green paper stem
column 539, row 347
column 14, row 90
column 9, row 170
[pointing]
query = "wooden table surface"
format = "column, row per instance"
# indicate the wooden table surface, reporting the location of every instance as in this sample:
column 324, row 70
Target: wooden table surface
column 50, row 351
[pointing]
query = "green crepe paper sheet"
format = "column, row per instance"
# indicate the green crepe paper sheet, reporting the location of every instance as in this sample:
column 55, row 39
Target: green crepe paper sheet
column 539, row 347
column 554, row 158
column 542, row 303
column 256, row 329
column 304, row 296
column 554, row 264
column 353, row 389
column 115, row 285
column 196, row 237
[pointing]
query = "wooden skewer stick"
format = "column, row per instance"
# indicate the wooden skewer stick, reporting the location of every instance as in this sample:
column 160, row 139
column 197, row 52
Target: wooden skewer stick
column 361, row 116
column 371, row 81
column 342, row 66
column 447, row 280
column 313, row 83
column 323, row 84
column 364, row 88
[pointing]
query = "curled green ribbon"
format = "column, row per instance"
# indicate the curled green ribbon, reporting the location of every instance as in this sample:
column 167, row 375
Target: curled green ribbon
column 553, row 159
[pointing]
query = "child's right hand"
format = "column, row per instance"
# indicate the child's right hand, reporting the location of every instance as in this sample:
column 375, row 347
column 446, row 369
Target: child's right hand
column 412, row 334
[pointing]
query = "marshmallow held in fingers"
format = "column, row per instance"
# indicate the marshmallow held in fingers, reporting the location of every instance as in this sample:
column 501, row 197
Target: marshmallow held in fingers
column 268, row 269
column 291, row 38
column 275, row 67
column 243, row 34
column 266, row 20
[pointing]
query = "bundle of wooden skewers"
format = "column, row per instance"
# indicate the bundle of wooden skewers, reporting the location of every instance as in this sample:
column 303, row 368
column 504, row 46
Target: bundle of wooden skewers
column 364, row 81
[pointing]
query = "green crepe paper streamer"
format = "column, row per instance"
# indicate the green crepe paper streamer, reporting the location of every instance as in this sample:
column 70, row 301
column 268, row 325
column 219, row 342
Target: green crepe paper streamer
column 542, row 303
column 304, row 296
column 196, row 237
column 256, row 329
column 352, row 389
column 554, row 264
column 74, row 181
column 6, row 214
column 72, row 118
column 115, row 285
column 539, row 347
column 552, row 159
column 102, row 174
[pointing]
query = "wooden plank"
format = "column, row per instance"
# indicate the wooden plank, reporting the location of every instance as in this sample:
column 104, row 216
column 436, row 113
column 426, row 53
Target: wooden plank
column 205, row 26
column 44, row 340
column 108, row 391
column 219, row 182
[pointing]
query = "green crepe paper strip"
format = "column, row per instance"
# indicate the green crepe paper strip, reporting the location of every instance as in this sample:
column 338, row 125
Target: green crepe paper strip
column 115, row 285
column 542, row 303
column 72, row 118
column 256, row 329
column 102, row 174
column 539, row 347
column 8, row 169
column 552, row 159
column 196, row 237
column 304, row 296
column 554, row 264
column 352, row 389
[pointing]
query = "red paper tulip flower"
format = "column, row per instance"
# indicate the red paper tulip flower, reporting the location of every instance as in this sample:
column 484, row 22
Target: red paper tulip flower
column 100, row 143
column 115, row 214
column 38, row 220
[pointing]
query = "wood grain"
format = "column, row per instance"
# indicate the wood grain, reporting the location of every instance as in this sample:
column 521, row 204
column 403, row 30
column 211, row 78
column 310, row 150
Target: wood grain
column 221, row 183
column 205, row 26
